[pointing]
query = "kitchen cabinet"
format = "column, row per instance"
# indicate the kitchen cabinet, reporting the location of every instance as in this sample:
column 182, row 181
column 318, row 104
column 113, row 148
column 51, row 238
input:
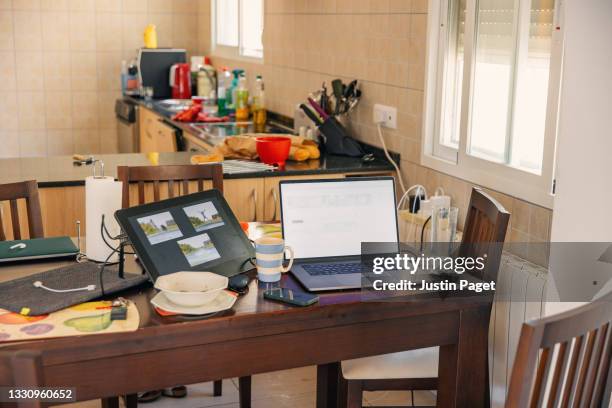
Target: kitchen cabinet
column 155, row 135
column 245, row 197
column 271, row 211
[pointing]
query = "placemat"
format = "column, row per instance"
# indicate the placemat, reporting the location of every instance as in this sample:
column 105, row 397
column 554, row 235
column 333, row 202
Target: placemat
column 21, row 296
column 78, row 320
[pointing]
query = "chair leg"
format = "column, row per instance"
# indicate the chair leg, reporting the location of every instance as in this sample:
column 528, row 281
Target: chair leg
column 110, row 402
column 354, row 395
column 131, row 401
column 244, row 391
column 218, row 388
column 342, row 392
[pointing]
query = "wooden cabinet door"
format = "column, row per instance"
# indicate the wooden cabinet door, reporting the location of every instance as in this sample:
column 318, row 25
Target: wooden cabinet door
column 245, row 197
column 271, row 210
column 165, row 137
column 155, row 135
column 146, row 121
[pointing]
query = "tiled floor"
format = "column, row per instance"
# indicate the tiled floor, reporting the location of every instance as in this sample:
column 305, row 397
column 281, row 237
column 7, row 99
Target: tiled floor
column 282, row 389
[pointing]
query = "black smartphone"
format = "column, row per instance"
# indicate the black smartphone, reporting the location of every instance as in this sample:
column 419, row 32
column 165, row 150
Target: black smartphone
column 290, row 296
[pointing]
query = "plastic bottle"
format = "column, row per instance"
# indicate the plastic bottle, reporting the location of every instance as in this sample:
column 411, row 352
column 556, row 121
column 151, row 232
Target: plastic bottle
column 242, row 100
column 150, row 36
column 124, row 76
column 225, row 80
column 259, row 103
column 231, row 93
column 207, row 80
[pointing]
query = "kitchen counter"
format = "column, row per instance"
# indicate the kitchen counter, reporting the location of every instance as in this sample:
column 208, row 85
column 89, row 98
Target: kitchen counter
column 59, row 171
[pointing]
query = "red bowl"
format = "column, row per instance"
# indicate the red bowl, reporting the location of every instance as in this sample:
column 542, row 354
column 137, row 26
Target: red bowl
column 273, row 150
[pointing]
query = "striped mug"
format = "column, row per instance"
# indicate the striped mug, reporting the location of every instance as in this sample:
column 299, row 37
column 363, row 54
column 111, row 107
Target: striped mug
column 269, row 254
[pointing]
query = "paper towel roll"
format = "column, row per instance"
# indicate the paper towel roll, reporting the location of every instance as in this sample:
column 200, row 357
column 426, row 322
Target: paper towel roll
column 102, row 197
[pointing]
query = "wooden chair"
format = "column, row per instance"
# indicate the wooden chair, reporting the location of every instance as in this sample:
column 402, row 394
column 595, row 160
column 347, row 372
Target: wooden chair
column 27, row 190
column 180, row 175
column 173, row 175
column 574, row 350
column 485, row 231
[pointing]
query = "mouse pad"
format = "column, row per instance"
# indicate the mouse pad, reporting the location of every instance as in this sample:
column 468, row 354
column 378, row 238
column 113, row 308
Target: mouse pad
column 21, row 296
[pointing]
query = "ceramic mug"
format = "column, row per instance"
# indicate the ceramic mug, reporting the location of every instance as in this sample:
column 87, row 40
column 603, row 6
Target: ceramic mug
column 269, row 254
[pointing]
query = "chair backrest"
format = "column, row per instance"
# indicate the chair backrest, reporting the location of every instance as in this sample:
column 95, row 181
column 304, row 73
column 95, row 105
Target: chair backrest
column 574, row 359
column 485, row 229
column 173, row 175
column 27, row 190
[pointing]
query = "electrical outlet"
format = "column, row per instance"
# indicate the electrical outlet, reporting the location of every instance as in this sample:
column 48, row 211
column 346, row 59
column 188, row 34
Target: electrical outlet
column 385, row 115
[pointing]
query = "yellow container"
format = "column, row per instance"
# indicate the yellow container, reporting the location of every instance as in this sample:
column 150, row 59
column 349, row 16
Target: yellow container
column 150, row 36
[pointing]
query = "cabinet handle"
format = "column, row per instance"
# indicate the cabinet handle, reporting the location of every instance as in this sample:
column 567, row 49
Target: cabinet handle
column 274, row 197
column 254, row 205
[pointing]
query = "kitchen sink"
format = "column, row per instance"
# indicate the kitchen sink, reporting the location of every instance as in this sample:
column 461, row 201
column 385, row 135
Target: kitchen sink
column 174, row 105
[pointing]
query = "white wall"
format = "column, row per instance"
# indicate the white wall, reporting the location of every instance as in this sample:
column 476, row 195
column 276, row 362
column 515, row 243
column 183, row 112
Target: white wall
column 583, row 203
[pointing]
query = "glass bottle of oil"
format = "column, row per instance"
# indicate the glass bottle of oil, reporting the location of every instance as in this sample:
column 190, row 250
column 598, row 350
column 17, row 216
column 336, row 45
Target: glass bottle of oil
column 259, row 104
column 242, row 100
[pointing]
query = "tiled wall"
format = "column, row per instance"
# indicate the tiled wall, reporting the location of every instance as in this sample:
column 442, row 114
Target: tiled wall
column 383, row 44
column 60, row 64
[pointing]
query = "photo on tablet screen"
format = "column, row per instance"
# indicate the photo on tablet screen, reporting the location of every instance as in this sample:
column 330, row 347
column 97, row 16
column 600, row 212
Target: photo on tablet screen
column 159, row 227
column 203, row 216
column 199, row 249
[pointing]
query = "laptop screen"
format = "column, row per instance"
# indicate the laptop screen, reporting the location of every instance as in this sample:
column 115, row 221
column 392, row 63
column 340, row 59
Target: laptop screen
column 324, row 218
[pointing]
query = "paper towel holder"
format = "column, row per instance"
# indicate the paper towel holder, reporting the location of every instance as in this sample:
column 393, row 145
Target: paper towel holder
column 95, row 166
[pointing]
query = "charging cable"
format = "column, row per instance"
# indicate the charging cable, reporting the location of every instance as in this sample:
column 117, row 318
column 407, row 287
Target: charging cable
column 384, row 146
column 39, row 284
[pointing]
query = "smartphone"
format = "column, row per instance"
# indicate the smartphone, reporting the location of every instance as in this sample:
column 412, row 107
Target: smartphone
column 290, row 296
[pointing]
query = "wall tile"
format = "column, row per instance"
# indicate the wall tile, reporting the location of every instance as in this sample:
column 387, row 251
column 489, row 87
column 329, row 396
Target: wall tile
column 108, row 28
column 184, row 6
column 84, row 110
column 60, row 142
column 29, row 67
column 6, row 31
column 108, row 139
column 113, row 6
column 8, row 111
column 82, row 31
column 31, row 108
column 86, row 141
column 10, row 144
column 57, row 72
column 109, row 70
column 56, row 30
column 58, row 110
column 26, row 4
column 83, row 75
column 54, row 5
column 134, row 6
column 399, row 6
column 27, row 30
column 159, row 6
column 32, row 143
column 133, row 29
column 6, row 4
column 8, row 73
column 81, row 5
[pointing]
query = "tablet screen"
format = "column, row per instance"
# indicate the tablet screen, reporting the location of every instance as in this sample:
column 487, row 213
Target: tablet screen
column 196, row 232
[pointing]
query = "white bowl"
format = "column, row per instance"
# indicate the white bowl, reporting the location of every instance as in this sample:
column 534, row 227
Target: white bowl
column 191, row 288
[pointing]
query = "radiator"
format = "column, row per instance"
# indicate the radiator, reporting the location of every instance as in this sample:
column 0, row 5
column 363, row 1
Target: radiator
column 519, row 297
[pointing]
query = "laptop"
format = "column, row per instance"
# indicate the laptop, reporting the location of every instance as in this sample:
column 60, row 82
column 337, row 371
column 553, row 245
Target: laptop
column 325, row 222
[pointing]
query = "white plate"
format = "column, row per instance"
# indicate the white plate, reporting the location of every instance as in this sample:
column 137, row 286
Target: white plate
column 224, row 300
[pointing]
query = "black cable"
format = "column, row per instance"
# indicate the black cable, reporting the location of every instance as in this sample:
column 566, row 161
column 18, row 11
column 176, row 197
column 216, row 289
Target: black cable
column 103, row 230
column 103, row 267
column 423, row 232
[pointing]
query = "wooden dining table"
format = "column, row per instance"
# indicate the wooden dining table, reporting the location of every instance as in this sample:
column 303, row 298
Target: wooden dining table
column 258, row 336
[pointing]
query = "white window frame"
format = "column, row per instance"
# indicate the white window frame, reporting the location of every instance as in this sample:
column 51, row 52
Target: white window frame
column 225, row 51
column 534, row 188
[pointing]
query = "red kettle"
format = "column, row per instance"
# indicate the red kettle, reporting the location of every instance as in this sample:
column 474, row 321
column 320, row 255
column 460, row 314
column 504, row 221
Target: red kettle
column 180, row 81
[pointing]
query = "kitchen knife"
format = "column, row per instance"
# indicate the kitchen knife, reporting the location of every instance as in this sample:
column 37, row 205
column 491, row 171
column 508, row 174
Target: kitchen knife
column 318, row 109
column 311, row 115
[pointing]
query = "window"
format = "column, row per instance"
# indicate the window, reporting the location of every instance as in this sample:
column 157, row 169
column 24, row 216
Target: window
column 238, row 28
column 492, row 93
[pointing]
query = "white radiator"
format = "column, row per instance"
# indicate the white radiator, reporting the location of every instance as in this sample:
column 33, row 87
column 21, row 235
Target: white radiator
column 520, row 297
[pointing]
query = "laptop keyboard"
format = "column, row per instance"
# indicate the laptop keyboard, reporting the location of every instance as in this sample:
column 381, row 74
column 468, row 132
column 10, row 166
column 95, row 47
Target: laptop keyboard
column 332, row 269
